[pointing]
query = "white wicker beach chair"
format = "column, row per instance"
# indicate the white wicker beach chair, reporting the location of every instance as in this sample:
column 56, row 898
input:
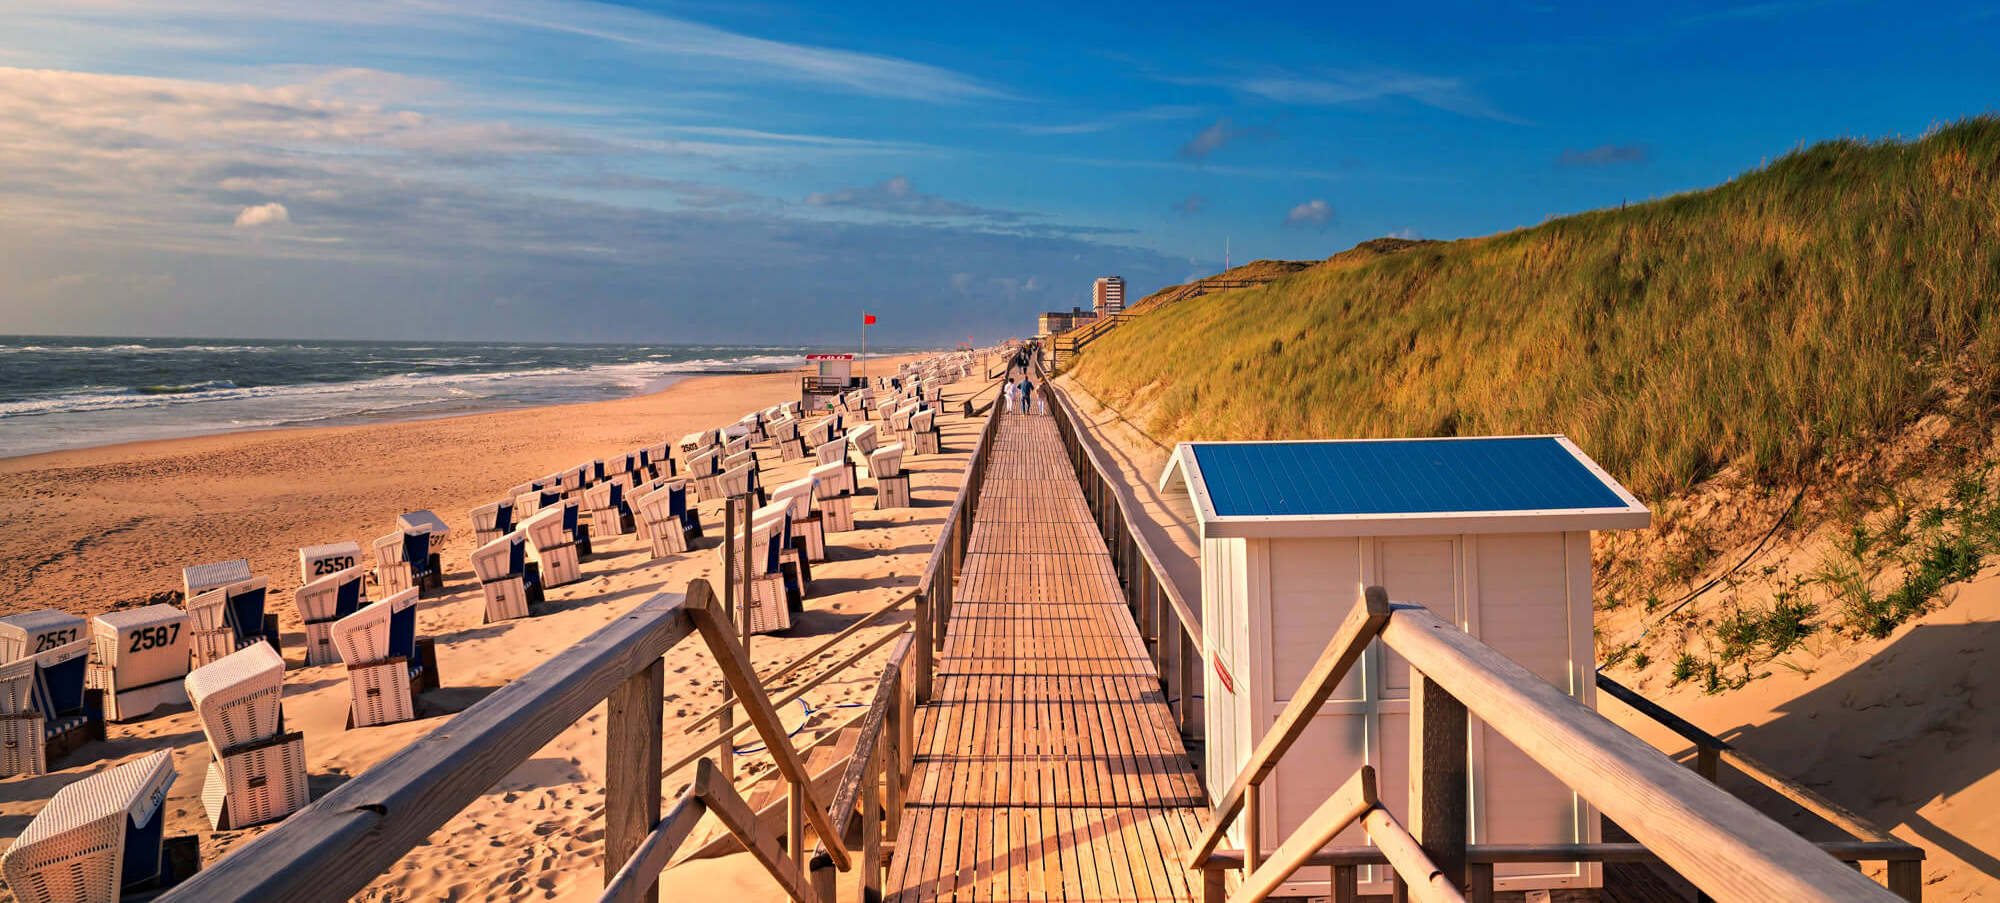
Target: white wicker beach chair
column 32, row 632
column 493, row 520
column 864, row 438
column 554, row 547
column 256, row 773
column 508, row 579
column 22, row 749
column 609, row 515
column 139, row 657
column 736, row 481
column 767, row 608
column 834, row 493
column 663, row 514
column 818, row 432
column 923, row 425
column 753, row 426
column 379, row 658
column 96, row 836
column 892, row 485
column 203, row 577
column 322, row 602
column 808, row 533
column 392, row 570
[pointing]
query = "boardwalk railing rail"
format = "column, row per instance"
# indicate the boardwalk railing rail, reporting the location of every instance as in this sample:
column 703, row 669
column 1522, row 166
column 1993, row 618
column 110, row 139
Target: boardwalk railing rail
column 1063, row 346
column 934, row 590
column 1170, row 626
column 1727, row 849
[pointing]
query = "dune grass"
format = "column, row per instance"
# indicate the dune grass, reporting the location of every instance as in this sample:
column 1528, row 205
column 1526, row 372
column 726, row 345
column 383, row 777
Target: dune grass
column 1801, row 309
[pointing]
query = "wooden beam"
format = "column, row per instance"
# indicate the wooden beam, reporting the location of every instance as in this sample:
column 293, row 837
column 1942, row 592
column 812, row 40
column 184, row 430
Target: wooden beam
column 1353, row 799
column 1711, row 838
column 333, row 848
column 770, row 728
column 813, row 655
column 737, row 817
column 1439, row 808
column 632, row 769
column 1426, row 884
column 640, row 877
column 1366, row 620
column 1491, row 853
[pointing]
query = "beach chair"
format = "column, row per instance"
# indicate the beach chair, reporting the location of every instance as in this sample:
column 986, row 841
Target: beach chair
column 332, row 558
column 203, row 577
column 138, row 658
column 555, row 547
column 660, row 463
column 97, row 837
column 663, row 516
column 510, row 582
column 835, row 452
column 818, row 432
column 735, row 446
column 256, row 771
column 864, row 438
column 739, row 481
column 322, row 602
column 833, row 492
column 766, row 609
column 34, row 632
column 492, row 521
column 228, row 618
column 808, row 532
column 892, row 485
column 924, row 427
column 753, row 426
column 387, row 663
column 45, row 712
column 521, row 489
column 609, row 515
column 392, row 566
column 792, row 565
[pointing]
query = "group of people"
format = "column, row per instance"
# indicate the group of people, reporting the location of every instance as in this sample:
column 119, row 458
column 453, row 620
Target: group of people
column 1020, row 396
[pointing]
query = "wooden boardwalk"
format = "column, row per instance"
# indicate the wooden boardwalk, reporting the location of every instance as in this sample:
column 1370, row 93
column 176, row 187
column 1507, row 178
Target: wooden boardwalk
column 1047, row 763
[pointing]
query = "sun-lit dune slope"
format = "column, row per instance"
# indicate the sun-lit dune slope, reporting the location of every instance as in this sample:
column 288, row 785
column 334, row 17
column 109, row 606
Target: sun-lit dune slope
column 1814, row 304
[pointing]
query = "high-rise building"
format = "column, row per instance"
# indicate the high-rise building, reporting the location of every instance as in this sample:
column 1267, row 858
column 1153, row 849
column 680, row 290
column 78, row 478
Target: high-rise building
column 1108, row 296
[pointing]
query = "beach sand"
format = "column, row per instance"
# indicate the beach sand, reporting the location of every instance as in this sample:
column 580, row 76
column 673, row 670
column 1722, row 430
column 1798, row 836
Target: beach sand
column 93, row 529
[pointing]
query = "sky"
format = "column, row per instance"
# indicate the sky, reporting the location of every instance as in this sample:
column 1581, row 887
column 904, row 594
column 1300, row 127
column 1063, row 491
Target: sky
column 765, row 171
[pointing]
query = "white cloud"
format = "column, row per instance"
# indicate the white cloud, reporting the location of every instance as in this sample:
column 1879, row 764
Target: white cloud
column 1315, row 213
column 263, row 215
column 1448, row 93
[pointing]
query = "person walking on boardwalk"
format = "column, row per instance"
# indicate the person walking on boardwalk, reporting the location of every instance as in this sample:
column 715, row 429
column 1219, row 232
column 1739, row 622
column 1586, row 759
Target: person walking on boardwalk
column 1027, row 396
column 1007, row 394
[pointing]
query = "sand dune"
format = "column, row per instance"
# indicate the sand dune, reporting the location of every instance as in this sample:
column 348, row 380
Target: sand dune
column 537, row 834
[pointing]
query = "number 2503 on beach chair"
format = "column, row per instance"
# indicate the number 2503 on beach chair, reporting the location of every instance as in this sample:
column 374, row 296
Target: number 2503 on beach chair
column 96, row 838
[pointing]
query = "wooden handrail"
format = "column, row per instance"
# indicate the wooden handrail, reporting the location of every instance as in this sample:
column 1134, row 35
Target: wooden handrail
column 1425, row 881
column 1716, row 841
column 804, row 658
column 334, row 847
column 1362, row 624
column 632, row 882
column 858, row 782
column 1343, row 808
column 1537, row 853
column 1840, row 816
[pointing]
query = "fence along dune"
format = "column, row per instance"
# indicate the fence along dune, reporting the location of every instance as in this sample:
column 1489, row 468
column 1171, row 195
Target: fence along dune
column 1806, row 307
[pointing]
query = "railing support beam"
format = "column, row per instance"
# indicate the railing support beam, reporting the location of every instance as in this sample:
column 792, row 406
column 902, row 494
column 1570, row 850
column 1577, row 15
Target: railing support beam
column 1438, row 776
column 632, row 745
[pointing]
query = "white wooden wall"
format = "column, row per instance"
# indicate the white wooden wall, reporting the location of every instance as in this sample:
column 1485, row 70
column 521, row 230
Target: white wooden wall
column 1271, row 605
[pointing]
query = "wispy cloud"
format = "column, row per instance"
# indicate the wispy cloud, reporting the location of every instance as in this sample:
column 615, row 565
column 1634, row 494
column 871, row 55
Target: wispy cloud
column 896, row 195
column 1605, row 155
column 1190, row 205
column 1163, row 113
column 1741, row 12
column 266, row 214
column 1315, row 214
column 1328, row 89
column 1223, row 132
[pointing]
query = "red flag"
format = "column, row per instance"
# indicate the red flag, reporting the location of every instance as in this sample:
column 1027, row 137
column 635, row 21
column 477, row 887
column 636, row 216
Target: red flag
column 867, row 319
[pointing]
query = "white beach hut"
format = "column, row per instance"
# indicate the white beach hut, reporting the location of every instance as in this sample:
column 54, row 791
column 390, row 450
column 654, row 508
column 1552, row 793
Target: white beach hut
column 1493, row 534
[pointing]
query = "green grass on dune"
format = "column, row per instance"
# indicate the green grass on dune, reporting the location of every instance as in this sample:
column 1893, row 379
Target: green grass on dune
column 1798, row 310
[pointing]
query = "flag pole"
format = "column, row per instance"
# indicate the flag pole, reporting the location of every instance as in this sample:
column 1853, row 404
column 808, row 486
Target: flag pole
column 864, row 349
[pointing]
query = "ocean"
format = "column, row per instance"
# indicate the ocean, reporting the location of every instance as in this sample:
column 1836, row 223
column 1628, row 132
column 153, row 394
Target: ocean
column 62, row 392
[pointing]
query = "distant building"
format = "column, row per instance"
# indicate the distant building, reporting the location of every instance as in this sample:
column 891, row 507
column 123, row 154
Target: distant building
column 1056, row 322
column 1108, row 296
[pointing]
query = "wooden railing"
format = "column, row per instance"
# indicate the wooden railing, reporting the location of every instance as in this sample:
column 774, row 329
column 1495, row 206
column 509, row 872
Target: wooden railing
column 1726, row 848
column 1171, row 628
column 335, row 847
column 1063, row 346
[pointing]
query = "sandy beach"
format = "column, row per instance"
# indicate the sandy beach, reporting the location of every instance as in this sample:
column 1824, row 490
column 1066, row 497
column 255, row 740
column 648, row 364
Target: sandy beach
column 107, row 527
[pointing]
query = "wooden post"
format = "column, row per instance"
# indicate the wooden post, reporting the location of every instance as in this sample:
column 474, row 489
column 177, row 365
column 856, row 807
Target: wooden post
column 1480, row 874
column 795, row 827
column 922, row 647
column 632, row 746
column 1906, row 879
column 1253, row 828
column 1438, row 804
column 1346, row 884
column 1191, row 665
column 748, row 515
column 1707, row 762
column 725, row 756
column 870, row 883
column 1213, row 890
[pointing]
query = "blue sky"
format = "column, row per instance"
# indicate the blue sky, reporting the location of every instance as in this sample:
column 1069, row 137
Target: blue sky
column 764, row 171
